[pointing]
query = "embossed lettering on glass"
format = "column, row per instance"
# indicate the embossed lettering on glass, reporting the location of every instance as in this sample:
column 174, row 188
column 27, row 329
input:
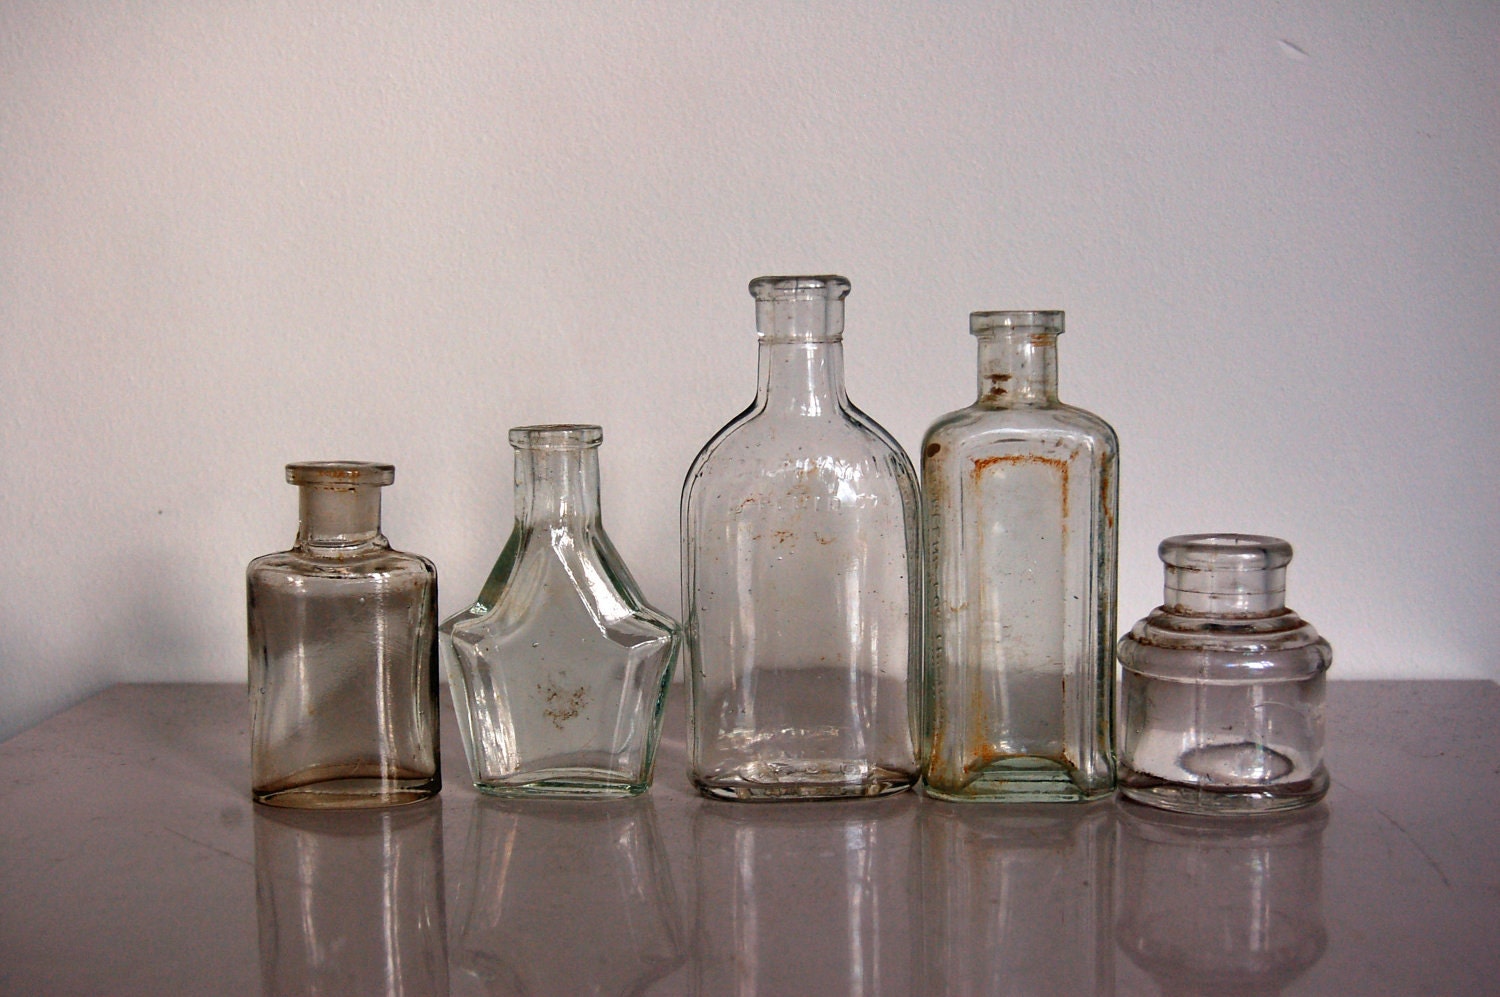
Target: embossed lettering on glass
column 1020, row 496
column 343, row 648
column 800, row 575
column 1222, row 686
column 559, row 669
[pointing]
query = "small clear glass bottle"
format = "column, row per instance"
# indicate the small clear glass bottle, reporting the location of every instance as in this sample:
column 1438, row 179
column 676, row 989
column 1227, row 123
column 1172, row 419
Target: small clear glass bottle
column 1222, row 686
column 343, row 649
column 801, row 575
column 1020, row 496
column 559, row 669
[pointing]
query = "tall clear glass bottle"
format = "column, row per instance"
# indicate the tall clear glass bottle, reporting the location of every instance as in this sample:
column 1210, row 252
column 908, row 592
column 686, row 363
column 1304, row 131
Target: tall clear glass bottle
column 1020, row 496
column 559, row 669
column 343, row 648
column 801, row 575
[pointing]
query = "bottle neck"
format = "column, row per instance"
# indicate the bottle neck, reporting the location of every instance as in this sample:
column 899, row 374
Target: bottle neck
column 335, row 516
column 1018, row 368
column 557, row 486
column 801, row 378
column 1226, row 574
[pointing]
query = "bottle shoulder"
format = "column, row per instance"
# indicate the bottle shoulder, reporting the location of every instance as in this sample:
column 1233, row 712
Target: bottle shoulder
column 844, row 450
column 1202, row 648
column 374, row 561
column 979, row 422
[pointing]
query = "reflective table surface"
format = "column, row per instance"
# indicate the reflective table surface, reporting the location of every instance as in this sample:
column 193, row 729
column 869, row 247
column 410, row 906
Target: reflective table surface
column 133, row 862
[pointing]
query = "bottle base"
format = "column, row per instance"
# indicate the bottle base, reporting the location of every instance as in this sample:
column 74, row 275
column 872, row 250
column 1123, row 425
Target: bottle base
column 1229, row 800
column 765, row 782
column 1019, row 780
column 563, row 784
column 350, row 793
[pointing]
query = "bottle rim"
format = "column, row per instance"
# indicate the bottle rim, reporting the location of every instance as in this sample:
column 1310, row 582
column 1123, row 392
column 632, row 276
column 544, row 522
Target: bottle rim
column 1003, row 322
column 556, row 436
column 347, row 473
column 803, row 288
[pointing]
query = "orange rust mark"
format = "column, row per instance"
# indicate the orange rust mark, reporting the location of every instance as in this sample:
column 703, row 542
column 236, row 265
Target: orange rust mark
column 1109, row 514
column 782, row 536
column 1056, row 463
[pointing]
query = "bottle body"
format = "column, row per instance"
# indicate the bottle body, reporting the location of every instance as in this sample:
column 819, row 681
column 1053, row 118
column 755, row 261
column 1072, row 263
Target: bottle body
column 559, row 669
column 1020, row 492
column 801, row 577
column 343, row 642
column 1222, row 686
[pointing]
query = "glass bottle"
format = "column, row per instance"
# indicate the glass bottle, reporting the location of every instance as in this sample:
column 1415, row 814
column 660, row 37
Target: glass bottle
column 559, row 669
column 1223, row 686
column 343, row 646
column 800, row 575
column 1020, row 496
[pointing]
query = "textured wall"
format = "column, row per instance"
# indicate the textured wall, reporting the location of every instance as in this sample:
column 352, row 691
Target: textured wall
column 233, row 235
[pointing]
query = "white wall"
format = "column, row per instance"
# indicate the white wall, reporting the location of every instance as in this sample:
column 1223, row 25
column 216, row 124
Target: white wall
column 234, row 235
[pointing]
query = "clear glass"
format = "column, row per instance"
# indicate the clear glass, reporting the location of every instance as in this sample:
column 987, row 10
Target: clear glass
column 565, row 897
column 351, row 903
column 800, row 575
column 1227, row 908
column 343, row 653
column 814, row 899
column 559, row 669
column 1016, row 900
column 1020, row 495
column 1222, row 686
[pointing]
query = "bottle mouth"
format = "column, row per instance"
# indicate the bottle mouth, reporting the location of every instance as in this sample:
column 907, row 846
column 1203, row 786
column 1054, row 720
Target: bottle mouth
column 1229, row 573
column 1225, row 552
column 340, row 473
column 823, row 287
column 559, row 436
column 1023, row 322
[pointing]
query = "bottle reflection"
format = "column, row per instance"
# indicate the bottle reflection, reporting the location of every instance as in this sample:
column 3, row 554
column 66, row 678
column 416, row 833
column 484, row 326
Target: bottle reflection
column 565, row 897
column 1224, row 907
column 351, row 902
column 1015, row 899
column 804, row 898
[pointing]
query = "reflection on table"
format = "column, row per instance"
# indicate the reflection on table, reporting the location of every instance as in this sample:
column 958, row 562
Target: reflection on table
column 1221, row 906
column 351, row 902
column 564, row 898
column 839, row 868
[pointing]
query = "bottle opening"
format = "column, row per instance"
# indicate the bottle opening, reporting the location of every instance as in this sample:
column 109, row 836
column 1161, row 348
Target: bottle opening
column 562, row 436
column 999, row 323
column 336, row 473
column 1233, row 573
column 815, row 288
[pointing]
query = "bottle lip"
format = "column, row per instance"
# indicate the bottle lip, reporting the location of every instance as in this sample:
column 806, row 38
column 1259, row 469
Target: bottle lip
column 1225, row 552
column 348, row 473
column 1032, row 322
column 829, row 287
column 556, row 436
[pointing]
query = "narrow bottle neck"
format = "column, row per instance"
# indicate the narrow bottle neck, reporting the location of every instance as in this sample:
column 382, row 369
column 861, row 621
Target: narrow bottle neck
column 332, row 516
column 557, row 486
column 801, row 378
column 1018, row 368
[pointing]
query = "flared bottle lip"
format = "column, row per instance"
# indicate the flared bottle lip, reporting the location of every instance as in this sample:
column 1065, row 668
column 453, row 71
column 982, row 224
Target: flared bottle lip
column 347, row 473
column 1225, row 552
column 830, row 287
column 1002, row 322
column 556, row 436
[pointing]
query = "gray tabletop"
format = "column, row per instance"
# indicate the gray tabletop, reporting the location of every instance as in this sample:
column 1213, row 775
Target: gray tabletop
column 133, row 862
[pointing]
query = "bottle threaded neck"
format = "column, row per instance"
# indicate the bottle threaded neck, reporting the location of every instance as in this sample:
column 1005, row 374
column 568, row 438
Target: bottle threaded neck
column 1017, row 356
column 339, row 501
column 557, row 473
column 1224, row 574
column 800, row 309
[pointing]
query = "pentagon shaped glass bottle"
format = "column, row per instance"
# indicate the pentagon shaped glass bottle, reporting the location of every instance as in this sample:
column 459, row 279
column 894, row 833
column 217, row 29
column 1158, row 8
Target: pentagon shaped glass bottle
column 1019, row 497
column 559, row 670
column 801, row 575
